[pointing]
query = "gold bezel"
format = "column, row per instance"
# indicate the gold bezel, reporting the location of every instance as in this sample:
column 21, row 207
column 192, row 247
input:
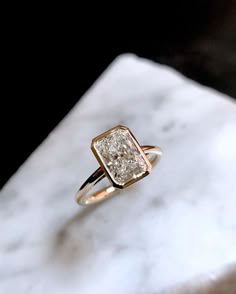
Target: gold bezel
column 103, row 165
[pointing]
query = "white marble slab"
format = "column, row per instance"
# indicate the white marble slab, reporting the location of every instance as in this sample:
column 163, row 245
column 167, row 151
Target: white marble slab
column 173, row 226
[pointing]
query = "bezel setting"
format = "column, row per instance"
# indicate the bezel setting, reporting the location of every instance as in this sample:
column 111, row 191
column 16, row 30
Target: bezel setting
column 120, row 156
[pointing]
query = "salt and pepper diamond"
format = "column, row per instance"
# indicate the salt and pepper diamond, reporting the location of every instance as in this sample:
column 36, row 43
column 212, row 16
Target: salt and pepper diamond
column 121, row 156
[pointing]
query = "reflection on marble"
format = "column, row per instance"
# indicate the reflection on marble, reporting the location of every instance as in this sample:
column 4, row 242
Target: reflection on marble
column 170, row 228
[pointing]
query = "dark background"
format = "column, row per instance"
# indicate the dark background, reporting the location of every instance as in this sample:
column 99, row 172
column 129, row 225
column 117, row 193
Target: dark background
column 44, row 78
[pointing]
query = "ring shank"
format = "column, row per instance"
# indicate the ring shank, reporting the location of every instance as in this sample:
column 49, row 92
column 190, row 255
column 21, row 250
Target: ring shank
column 83, row 198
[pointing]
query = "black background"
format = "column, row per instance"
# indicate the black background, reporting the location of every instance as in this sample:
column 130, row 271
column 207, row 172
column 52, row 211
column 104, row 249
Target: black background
column 44, row 78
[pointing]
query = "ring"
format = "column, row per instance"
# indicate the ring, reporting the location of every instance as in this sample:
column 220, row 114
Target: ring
column 122, row 160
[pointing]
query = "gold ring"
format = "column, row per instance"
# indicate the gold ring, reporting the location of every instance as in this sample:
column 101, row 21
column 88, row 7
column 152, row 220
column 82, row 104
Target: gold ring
column 122, row 160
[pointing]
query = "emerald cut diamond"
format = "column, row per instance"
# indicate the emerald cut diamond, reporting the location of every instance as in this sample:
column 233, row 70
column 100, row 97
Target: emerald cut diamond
column 121, row 156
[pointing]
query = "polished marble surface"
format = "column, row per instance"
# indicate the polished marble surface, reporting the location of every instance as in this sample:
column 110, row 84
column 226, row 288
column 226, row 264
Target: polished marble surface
column 167, row 230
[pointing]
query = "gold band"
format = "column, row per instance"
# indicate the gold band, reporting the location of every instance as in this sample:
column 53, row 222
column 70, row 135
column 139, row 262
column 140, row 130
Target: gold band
column 153, row 153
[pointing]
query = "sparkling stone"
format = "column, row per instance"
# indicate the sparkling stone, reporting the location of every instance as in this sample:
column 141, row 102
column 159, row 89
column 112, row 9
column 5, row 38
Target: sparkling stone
column 121, row 156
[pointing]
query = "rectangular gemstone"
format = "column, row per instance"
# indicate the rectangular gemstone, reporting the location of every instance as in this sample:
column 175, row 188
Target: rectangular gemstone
column 120, row 155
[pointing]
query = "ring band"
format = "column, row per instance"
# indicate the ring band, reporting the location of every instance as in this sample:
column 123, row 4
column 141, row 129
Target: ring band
column 122, row 160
